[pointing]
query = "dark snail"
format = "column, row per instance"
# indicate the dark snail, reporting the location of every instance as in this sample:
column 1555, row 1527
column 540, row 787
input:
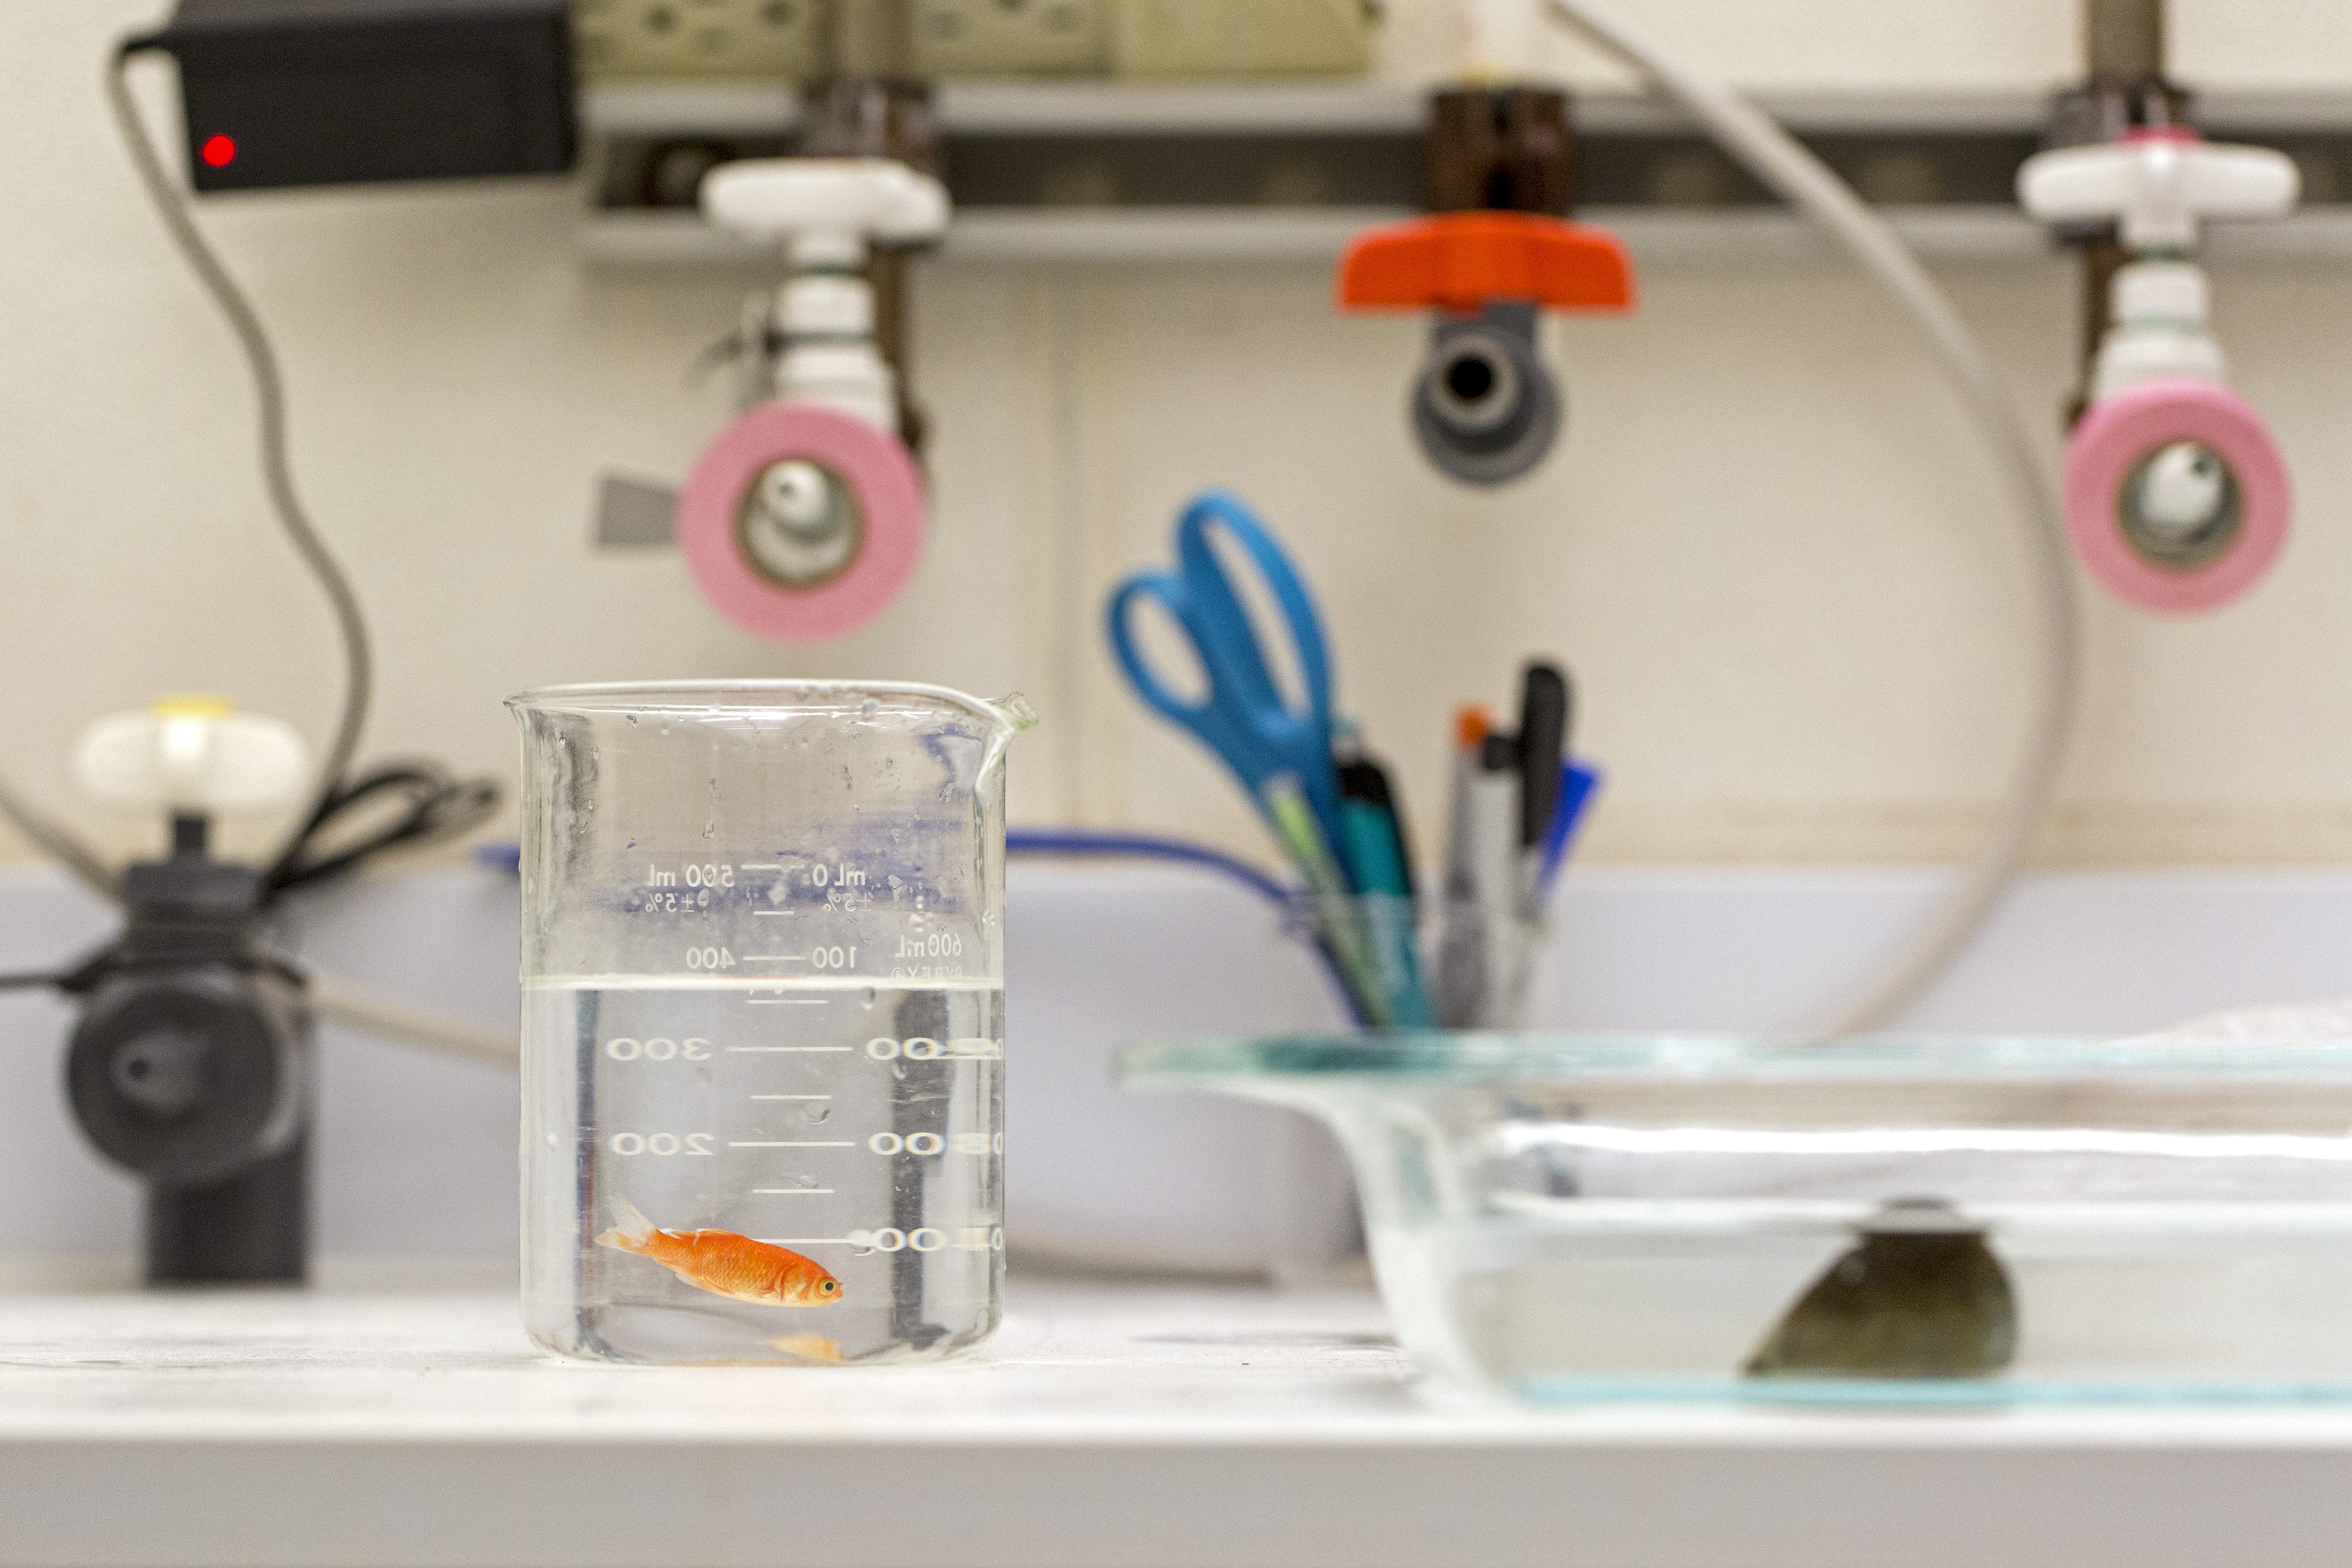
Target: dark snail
column 1919, row 1294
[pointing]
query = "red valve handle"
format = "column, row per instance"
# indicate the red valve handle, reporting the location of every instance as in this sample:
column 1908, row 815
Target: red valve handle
column 1461, row 261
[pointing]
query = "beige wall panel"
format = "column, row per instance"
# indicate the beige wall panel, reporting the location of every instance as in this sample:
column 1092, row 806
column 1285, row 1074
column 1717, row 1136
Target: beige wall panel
column 1867, row 44
column 1771, row 553
column 2270, row 43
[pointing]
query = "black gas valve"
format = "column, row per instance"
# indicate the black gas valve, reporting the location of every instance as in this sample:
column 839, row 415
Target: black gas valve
column 191, row 1067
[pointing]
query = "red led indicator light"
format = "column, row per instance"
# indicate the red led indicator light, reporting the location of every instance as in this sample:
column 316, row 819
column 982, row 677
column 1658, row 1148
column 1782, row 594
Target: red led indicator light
column 220, row 151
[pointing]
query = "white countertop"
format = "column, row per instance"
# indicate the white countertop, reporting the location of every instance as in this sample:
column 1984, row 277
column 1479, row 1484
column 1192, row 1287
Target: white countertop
column 1137, row 1426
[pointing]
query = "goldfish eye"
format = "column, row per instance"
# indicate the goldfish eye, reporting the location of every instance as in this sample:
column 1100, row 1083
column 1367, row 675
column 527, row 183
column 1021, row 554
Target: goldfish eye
column 829, row 1288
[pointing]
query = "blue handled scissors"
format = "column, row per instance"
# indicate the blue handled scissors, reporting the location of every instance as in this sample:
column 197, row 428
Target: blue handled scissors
column 1243, row 717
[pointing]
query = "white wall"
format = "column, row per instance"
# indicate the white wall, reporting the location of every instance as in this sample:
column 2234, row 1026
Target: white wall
column 1767, row 548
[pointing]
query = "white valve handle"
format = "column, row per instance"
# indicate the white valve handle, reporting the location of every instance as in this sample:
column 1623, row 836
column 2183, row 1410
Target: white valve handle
column 835, row 202
column 2158, row 186
column 824, row 210
column 191, row 753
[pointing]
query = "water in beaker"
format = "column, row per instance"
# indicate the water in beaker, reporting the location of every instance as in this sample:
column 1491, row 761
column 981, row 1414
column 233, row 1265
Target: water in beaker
column 763, row 1024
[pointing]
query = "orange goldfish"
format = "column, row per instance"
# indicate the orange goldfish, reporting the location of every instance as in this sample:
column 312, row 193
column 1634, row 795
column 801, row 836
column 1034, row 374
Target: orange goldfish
column 724, row 1263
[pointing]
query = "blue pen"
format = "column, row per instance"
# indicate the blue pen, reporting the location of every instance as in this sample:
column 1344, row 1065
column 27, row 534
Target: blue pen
column 1578, row 783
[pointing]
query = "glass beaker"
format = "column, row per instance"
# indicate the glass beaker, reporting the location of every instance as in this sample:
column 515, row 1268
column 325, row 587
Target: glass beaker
column 763, row 1019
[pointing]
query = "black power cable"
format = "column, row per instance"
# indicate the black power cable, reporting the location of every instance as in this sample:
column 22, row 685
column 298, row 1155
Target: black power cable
column 432, row 805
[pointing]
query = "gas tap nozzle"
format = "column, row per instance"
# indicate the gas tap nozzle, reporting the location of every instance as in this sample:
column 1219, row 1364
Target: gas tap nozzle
column 2176, row 495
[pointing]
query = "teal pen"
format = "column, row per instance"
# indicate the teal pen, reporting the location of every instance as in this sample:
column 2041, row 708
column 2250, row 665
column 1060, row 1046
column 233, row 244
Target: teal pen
column 1377, row 854
column 1383, row 880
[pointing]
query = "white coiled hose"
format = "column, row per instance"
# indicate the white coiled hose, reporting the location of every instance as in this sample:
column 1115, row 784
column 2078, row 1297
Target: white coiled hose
column 1805, row 182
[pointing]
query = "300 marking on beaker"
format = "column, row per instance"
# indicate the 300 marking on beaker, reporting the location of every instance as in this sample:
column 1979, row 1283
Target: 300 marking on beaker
column 657, row 1050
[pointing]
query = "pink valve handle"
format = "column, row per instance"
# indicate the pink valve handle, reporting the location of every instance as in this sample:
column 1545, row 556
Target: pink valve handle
column 874, row 465
column 2122, row 429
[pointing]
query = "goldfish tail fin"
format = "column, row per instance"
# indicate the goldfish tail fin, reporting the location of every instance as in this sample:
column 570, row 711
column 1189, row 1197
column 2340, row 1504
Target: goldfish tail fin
column 633, row 1231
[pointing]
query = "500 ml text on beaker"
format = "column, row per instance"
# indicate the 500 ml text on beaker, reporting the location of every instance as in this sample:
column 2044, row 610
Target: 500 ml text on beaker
column 707, row 875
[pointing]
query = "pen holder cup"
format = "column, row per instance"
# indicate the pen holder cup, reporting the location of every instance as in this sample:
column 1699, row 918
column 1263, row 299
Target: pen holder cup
column 1472, row 973
column 1484, row 967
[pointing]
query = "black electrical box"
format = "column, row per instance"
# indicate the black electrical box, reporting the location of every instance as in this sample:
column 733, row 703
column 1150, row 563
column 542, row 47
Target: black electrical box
column 327, row 92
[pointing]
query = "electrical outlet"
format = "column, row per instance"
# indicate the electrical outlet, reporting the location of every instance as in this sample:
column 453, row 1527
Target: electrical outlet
column 1011, row 37
column 622, row 39
column 1241, row 37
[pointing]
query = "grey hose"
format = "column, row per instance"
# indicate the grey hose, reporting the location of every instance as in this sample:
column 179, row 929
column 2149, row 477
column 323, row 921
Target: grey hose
column 1805, row 182
column 336, row 1000
column 269, row 397
column 54, row 841
column 52, row 838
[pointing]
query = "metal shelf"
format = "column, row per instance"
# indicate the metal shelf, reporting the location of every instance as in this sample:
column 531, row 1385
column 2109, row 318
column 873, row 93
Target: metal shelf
column 989, row 107
column 1163, row 236
column 1105, row 236
column 1109, row 107
column 1671, row 196
column 674, row 108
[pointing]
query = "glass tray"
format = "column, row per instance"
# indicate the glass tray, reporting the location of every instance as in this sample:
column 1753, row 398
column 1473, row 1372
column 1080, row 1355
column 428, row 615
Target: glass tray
column 1916, row 1221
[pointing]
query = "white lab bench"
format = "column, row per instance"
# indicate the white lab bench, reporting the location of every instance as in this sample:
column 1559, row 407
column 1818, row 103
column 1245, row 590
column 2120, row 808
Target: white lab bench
column 1151, row 1426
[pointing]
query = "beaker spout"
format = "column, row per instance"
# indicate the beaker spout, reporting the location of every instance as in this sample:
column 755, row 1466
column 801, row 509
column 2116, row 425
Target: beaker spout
column 1014, row 714
column 1014, row 709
